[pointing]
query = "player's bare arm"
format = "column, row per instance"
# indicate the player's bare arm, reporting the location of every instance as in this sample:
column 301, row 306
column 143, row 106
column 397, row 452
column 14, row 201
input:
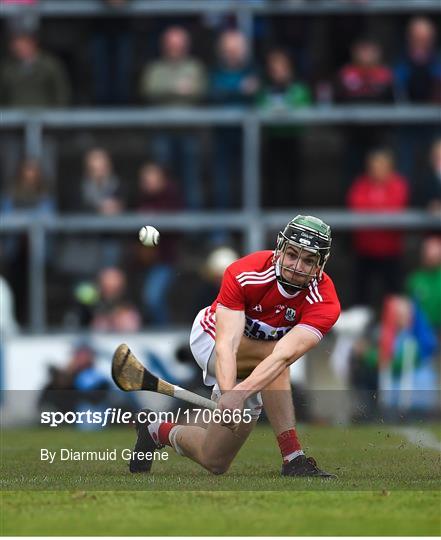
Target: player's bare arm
column 290, row 348
column 230, row 325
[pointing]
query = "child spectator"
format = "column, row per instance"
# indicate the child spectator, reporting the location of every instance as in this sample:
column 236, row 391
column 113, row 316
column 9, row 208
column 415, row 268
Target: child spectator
column 177, row 79
column 283, row 160
column 100, row 194
column 101, row 188
column 378, row 252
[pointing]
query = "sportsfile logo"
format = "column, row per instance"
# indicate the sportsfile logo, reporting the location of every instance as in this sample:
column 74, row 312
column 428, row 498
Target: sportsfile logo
column 117, row 416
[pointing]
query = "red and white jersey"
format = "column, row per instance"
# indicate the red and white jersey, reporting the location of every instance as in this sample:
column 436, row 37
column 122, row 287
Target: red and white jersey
column 250, row 285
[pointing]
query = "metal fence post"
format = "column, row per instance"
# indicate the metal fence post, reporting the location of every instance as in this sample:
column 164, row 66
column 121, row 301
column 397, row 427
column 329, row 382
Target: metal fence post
column 254, row 232
column 34, row 139
column 37, row 281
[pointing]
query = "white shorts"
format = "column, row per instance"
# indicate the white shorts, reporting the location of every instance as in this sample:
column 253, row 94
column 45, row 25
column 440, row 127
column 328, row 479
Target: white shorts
column 202, row 345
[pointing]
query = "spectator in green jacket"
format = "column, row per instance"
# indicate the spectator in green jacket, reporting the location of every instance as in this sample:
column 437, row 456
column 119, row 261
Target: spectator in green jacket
column 424, row 285
column 30, row 77
column 177, row 79
column 282, row 156
column 281, row 89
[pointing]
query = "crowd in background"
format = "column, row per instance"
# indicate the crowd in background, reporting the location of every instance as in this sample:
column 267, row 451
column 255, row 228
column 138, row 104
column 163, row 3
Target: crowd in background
column 113, row 284
column 276, row 69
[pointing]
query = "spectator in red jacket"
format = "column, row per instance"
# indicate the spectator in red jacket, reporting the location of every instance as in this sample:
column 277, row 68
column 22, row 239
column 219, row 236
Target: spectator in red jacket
column 378, row 252
column 365, row 80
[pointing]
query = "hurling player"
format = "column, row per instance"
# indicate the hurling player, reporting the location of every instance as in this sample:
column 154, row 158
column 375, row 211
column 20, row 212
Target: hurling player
column 272, row 308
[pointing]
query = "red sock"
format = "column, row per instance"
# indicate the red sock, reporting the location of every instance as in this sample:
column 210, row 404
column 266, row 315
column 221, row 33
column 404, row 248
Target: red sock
column 164, row 432
column 289, row 445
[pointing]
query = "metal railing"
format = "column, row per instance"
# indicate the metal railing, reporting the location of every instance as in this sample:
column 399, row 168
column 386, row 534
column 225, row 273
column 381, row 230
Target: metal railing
column 252, row 222
column 81, row 8
column 35, row 121
column 254, row 225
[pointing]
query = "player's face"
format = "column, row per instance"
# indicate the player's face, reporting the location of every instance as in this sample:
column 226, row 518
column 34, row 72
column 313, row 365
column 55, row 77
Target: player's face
column 298, row 266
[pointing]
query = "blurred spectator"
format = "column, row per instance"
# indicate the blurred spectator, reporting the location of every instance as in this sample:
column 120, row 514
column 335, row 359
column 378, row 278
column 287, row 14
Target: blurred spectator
column 428, row 195
column 82, row 369
column 418, row 74
column 114, row 312
column 366, row 80
column 101, row 188
column 78, row 386
column 30, row 77
column 364, row 374
column 424, row 285
column 406, row 352
column 157, row 193
column 418, row 80
column 28, row 196
column 8, row 324
column 234, row 82
column 177, row 79
column 378, row 252
column 282, row 159
column 101, row 194
column 212, row 273
column 281, row 89
column 112, row 53
column 29, row 192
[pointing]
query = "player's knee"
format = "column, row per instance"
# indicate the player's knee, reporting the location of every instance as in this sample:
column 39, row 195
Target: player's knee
column 218, row 467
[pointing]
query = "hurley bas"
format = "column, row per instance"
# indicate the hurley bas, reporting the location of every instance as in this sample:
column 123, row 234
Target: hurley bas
column 69, row 454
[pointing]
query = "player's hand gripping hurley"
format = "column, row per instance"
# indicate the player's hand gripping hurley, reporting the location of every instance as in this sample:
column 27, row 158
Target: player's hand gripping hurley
column 130, row 375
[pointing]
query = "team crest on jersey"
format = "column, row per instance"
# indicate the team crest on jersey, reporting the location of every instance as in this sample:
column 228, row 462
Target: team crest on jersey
column 290, row 314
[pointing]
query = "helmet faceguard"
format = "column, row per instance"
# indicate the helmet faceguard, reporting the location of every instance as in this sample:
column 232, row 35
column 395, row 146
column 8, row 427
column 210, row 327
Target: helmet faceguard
column 311, row 239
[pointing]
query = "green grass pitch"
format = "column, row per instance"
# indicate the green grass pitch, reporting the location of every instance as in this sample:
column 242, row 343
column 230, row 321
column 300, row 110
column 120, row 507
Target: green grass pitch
column 386, row 486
